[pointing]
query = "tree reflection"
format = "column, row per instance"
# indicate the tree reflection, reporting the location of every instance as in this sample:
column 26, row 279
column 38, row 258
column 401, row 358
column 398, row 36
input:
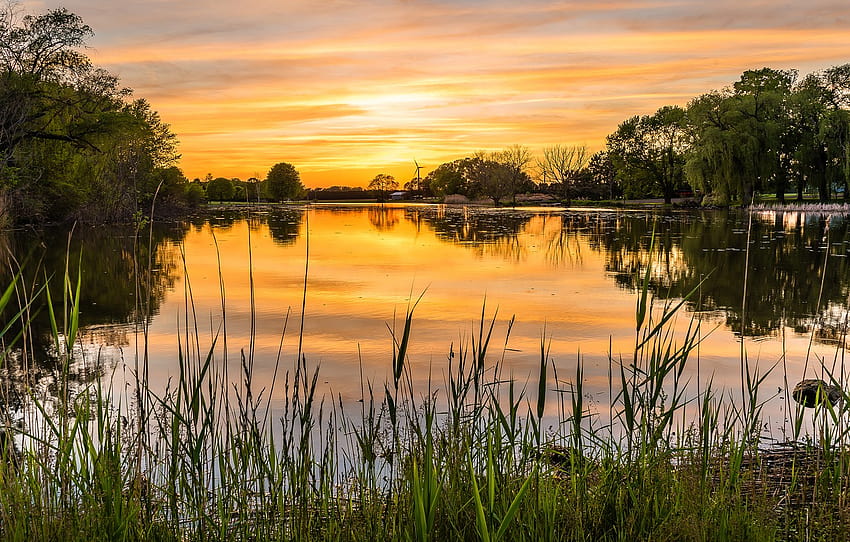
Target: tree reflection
column 786, row 264
column 490, row 232
column 123, row 279
column 385, row 218
column 284, row 225
column 702, row 251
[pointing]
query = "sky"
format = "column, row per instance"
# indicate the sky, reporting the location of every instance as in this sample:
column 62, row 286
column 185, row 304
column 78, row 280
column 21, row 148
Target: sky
column 347, row 89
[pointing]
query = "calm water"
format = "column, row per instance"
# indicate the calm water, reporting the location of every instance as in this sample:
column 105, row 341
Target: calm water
column 568, row 276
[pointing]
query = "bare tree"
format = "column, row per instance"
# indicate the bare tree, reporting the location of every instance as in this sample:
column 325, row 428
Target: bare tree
column 561, row 166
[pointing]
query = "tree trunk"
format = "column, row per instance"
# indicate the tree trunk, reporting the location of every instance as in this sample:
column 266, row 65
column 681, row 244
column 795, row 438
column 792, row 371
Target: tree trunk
column 747, row 195
column 823, row 188
column 781, row 184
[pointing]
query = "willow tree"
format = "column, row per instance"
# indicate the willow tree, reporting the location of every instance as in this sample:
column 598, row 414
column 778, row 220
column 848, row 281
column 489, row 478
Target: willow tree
column 760, row 101
column 739, row 137
column 820, row 117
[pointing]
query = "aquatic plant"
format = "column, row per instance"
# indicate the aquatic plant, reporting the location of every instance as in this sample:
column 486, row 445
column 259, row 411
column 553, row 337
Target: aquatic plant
column 480, row 456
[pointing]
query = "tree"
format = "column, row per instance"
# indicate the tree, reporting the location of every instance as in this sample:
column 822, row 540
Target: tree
column 194, row 194
column 758, row 120
column 283, row 182
column 45, row 79
column 447, row 178
column 648, row 153
column 72, row 145
column 768, row 131
column 491, row 178
column 220, row 189
column 561, row 166
column 602, row 175
column 253, row 188
column 516, row 160
column 382, row 184
column 822, row 129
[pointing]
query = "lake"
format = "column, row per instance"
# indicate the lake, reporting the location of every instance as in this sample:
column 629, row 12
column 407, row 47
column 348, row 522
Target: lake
column 567, row 279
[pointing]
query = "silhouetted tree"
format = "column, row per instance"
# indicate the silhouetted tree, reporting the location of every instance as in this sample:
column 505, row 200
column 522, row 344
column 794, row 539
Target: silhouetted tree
column 220, row 189
column 561, row 166
column 382, row 184
column 283, row 182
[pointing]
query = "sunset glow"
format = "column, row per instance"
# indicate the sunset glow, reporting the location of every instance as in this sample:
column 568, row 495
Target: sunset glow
column 344, row 90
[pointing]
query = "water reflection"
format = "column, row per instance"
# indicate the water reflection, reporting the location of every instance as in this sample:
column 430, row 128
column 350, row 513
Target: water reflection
column 703, row 252
column 571, row 273
column 284, row 225
column 487, row 231
column 787, row 262
column 385, row 218
column 786, row 257
column 124, row 277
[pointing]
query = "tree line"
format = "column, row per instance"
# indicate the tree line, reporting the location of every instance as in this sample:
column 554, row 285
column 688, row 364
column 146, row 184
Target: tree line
column 75, row 144
column 770, row 132
column 282, row 183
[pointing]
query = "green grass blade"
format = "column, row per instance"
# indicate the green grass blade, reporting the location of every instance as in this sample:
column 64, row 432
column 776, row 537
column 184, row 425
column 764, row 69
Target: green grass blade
column 480, row 517
column 514, row 507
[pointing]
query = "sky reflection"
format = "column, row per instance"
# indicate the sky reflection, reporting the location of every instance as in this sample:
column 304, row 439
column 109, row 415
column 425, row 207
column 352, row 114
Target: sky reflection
column 555, row 278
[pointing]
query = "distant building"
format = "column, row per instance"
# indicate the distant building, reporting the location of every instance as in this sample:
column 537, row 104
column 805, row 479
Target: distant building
column 398, row 195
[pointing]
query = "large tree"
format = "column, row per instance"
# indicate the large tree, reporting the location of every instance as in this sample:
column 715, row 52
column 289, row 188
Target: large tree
column 768, row 131
column 220, row 189
column 492, row 178
column 516, row 161
column 817, row 111
column 602, row 176
column 448, row 178
column 71, row 143
column 648, row 153
column 382, row 184
column 283, row 182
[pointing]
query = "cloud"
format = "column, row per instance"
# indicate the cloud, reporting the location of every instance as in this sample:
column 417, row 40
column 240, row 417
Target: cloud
column 351, row 86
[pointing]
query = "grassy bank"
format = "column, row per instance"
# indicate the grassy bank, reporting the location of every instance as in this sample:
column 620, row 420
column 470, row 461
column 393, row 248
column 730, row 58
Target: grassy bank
column 478, row 456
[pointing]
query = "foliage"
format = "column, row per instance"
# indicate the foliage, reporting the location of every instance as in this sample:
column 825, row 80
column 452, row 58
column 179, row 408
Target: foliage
column 602, row 177
column 648, row 153
column 770, row 132
column 561, row 167
column 72, row 144
column 511, row 177
column 496, row 175
column 448, row 178
column 195, row 194
column 283, row 182
column 383, row 183
column 220, row 189
column 740, row 137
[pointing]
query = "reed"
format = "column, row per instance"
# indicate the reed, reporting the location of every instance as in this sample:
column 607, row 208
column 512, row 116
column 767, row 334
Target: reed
column 471, row 459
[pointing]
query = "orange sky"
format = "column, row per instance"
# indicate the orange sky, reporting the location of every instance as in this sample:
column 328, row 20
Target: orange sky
column 346, row 89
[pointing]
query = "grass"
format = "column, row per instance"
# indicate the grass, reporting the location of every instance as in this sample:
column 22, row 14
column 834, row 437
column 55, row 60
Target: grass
column 465, row 459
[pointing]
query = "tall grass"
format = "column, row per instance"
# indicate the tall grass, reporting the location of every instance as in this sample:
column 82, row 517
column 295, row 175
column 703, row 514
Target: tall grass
column 468, row 458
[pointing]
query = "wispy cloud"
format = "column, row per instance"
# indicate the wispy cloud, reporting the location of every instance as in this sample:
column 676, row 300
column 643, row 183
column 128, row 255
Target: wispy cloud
column 346, row 89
